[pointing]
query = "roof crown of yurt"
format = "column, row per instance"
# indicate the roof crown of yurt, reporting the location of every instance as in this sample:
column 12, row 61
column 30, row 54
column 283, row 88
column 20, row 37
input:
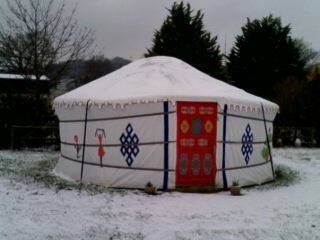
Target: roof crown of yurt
column 162, row 121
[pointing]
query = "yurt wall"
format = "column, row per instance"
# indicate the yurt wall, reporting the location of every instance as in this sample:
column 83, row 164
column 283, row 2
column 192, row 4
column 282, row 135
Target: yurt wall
column 125, row 146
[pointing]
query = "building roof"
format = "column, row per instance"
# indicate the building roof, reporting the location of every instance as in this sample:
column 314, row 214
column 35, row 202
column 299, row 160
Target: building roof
column 158, row 79
column 7, row 76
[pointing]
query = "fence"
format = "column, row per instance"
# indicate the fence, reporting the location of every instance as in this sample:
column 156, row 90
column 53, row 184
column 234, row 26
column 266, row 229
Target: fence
column 286, row 136
column 34, row 137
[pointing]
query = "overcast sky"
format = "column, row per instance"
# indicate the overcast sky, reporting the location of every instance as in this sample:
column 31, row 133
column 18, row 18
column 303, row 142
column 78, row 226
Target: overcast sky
column 125, row 27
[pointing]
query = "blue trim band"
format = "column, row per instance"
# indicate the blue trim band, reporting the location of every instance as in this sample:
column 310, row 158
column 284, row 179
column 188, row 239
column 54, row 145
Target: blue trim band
column 84, row 141
column 166, row 145
column 224, row 176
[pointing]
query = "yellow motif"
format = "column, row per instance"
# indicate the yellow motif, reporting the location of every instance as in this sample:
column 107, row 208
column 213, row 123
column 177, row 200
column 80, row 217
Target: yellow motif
column 208, row 126
column 184, row 126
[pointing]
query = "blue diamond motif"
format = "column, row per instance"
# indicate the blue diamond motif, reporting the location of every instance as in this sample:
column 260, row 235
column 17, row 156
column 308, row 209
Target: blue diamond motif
column 129, row 144
column 129, row 128
column 122, row 138
column 135, row 139
column 123, row 151
column 247, row 147
column 135, row 151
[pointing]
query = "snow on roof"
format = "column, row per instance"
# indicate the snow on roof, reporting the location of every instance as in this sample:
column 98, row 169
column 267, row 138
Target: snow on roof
column 157, row 79
column 20, row 77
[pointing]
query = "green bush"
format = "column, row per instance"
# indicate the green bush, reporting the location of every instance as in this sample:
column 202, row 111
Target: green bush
column 285, row 176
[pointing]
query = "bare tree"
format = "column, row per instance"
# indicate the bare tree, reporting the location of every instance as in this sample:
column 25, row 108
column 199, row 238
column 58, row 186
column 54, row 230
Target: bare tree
column 310, row 56
column 36, row 34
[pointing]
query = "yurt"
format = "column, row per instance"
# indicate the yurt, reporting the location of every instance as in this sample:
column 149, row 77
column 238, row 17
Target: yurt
column 162, row 121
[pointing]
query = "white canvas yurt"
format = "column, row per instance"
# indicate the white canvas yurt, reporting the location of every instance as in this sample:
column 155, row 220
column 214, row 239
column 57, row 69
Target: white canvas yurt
column 162, row 121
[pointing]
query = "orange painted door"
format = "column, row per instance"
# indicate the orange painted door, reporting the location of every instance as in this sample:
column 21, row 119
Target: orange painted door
column 196, row 143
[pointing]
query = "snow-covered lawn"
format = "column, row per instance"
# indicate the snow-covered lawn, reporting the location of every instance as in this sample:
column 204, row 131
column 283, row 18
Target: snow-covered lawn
column 30, row 210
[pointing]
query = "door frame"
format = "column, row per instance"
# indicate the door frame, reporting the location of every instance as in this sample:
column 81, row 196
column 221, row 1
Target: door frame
column 189, row 124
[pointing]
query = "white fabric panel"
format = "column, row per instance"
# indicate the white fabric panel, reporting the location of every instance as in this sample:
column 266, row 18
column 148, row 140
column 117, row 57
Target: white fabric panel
column 172, row 179
column 111, row 177
column 246, row 176
column 172, row 147
column 234, row 157
column 219, row 156
column 70, row 151
column 68, row 168
column 69, row 129
column 128, row 110
column 257, row 113
column 148, row 129
column 236, row 127
column 71, row 113
column 149, row 156
column 219, row 180
column 250, row 176
column 127, row 178
column 145, row 159
column 219, row 145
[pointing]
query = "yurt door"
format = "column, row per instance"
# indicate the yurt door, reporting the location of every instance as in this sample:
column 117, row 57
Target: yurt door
column 196, row 144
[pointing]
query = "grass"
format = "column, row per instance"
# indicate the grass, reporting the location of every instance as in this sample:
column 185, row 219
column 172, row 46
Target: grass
column 284, row 177
column 40, row 172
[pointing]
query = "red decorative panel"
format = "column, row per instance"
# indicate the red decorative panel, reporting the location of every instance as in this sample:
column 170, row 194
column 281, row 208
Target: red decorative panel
column 188, row 110
column 196, row 143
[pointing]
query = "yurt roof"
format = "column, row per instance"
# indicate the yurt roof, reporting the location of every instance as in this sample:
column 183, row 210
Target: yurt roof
column 158, row 79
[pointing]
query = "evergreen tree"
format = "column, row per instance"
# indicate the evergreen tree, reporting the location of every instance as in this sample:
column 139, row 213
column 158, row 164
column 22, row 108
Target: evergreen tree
column 183, row 36
column 312, row 100
column 263, row 55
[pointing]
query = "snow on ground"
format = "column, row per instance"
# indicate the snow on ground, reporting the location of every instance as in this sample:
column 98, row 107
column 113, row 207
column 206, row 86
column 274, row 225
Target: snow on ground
column 31, row 211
